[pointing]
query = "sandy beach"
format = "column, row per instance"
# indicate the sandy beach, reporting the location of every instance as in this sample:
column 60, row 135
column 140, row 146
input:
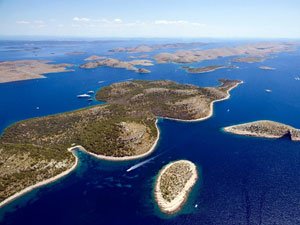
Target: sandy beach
column 176, row 204
column 39, row 184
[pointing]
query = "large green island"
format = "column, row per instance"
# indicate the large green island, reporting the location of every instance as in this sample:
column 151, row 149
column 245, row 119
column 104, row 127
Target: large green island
column 39, row 150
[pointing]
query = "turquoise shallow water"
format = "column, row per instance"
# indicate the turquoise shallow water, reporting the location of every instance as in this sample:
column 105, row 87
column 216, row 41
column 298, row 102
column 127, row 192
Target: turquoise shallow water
column 243, row 180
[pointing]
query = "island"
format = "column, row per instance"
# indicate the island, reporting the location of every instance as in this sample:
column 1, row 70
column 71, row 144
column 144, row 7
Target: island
column 151, row 48
column 249, row 59
column 94, row 57
column 174, row 184
column 29, row 69
column 116, row 63
column 138, row 56
column 266, row 68
column 205, row 69
column 265, row 129
column 260, row 50
column 39, row 150
column 143, row 70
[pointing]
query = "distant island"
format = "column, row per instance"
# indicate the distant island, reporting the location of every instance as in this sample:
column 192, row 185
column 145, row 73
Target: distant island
column 34, row 151
column 150, row 48
column 143, row 70
column 116, row 63
column 205, row 69
column 249, row 59
column 252, row 51
column 266, row 68
column 94, row 57
column 29, row 69
column 266, row 129
column 174, row 184
column 139, row 56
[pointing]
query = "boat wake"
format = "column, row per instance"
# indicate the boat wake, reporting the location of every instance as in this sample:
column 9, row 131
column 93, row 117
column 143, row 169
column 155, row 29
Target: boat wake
column 141, row 163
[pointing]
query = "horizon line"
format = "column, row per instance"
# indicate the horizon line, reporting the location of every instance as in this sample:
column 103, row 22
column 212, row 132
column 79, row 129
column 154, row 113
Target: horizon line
column 70, row 37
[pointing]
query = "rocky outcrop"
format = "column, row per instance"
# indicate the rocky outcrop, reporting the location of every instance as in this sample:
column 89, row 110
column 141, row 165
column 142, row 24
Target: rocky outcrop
column 115, row 63
column 256, row 50
column 266, row 129
column 29, row 69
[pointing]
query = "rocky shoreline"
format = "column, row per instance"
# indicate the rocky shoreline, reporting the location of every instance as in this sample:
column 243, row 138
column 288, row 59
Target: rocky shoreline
column 39, row 184
column 29, row 69
column 122, row 129
column 205, row 69
column 265, row 129
column 174, row 184
column 116, row 63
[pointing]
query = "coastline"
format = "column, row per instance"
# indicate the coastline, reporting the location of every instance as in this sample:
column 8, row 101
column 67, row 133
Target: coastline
column 125, row 158
column 177, row 203
column 208, row 71
column 229, row 129
column 52, row 179
column 246, row 133
column 39, row 184
column 211, row 109
column 111, row 158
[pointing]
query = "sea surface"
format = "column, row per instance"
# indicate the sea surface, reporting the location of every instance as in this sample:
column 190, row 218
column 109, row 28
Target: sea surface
column 243, row 180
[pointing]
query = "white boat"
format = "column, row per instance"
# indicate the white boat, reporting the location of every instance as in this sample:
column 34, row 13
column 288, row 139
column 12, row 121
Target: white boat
column 297, row 78
column 268, row 90
column 83, row 96
column 91, row 92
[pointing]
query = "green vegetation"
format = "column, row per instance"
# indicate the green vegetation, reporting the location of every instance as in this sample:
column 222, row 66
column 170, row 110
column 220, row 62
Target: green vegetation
column 174, row 179
column 36, row 149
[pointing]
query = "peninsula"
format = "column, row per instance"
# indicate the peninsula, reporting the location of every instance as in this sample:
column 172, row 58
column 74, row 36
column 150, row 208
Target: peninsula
column 34, row 151
column 174, row 184
column 116, row 63
column 260, row 50
column 266, row 129
column 29, row 69
column 205, row 69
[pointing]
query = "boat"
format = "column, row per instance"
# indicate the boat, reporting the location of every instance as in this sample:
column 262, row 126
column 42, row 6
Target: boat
column 91, row 92
column 83, row 96
column 268, row 90
column 297, row 78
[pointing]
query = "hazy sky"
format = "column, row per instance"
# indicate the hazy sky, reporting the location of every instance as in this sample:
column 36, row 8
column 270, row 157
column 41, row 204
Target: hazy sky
column 151, row 18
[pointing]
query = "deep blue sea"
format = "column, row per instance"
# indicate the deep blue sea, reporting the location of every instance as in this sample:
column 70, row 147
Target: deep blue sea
column 243, row 180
